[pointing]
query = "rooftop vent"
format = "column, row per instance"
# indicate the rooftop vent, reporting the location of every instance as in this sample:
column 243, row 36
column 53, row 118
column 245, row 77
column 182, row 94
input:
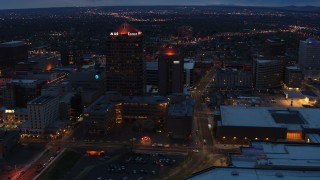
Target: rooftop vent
column 279, row 174
column 234, row 173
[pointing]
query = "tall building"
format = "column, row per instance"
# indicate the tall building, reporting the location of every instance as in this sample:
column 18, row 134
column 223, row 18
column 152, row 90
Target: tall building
column 233, row 78
column 76, row 106
column 179, row 120
column 293, row 77
column 91, row 83
column 268, row 74
column 275, row 47
column 19, row 91
column 125, row 66
column 309, row 54
column 152, row 73
column 13, row 52
column 42, row 111
column 171, row 76
column 99, row 116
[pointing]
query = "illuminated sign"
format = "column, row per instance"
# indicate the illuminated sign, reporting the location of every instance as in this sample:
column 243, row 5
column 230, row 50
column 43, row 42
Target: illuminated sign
column 9, row 111
column 132, row 34
column 176, row 62
column 114, row 34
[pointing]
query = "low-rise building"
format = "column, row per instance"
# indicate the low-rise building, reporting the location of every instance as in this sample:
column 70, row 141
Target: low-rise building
column 239, row 124
column 152, row 108
column 99, row 116
column 277, row 155
column 13, row 118
column 180, row 118
column 235, row 173
column 233, row 78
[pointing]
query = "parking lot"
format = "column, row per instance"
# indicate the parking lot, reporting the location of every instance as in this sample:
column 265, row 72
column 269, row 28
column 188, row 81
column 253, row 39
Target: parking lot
column 126, row 166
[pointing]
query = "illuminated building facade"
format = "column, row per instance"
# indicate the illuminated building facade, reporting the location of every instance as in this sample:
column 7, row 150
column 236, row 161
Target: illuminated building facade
column 239, row 124
column 12, row 118
column 152, row 108
column 171, row 71
column 100, row 116
column 152, row 73
column 268, row 74
column 233, row 78
column 125, row 66
column 42, row 112
column 293, row 77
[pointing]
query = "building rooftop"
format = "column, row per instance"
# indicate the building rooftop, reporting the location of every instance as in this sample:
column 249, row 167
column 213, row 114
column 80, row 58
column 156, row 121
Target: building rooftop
column 41, row 100
column 12, row 44
column 148, row 99
column 66, row 97
column 23, row 81
column 153, row 65
column 185, row 108
column 188, row 65
column 232, row 173
column 312, row 41
column 293, row 68
column 263, row 154
column 170, row 50
column 263, row 61
column 101, row 105
column 42, row 57
column 313, row 138
column 291, row 118
column 126, row 29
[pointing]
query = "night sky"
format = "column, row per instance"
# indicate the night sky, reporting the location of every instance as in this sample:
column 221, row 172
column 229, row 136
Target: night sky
column 16, row 4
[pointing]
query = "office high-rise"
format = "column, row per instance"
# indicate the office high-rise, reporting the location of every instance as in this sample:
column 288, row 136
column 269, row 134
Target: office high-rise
column 13, row 52
column 268, row 74
column 125, row 66
column 171, row 76
column 309, row 54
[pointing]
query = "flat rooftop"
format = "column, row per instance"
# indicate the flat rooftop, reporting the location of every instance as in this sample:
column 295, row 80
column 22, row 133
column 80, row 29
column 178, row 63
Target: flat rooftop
column 148, row 99
column 41, row 100
column 184, row 108
column 23, row 81
column 12, row 44
column 101, row 105
column 232, row 173
column 292, row 118
column 293, row 68
column 284, row 155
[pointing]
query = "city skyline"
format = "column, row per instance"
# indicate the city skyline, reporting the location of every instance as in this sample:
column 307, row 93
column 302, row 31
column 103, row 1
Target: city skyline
column 159, row 92
column 20, row 4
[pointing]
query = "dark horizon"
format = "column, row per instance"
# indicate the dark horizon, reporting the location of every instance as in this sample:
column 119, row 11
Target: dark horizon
column 221, row 5
column 36, row 4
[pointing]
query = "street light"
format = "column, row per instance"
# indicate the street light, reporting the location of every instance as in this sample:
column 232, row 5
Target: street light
column 132, row 140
